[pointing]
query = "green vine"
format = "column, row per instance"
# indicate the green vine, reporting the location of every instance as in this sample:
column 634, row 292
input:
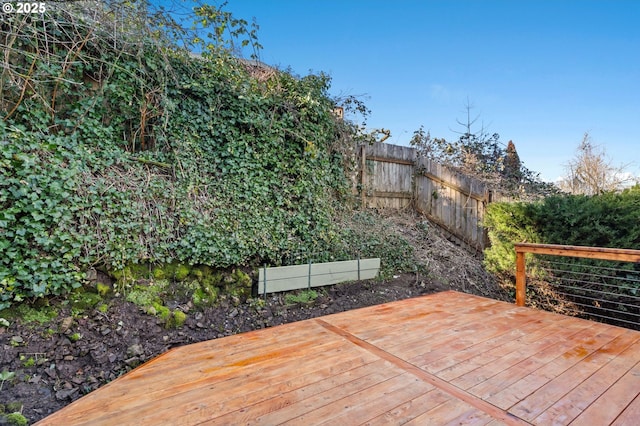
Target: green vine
column 120, row 148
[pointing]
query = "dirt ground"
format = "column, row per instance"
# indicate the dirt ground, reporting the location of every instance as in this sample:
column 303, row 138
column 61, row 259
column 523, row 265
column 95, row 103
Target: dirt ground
column 58, row 362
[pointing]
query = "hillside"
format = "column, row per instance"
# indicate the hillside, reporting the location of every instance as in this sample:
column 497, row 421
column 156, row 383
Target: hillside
column 77, row 348
column 141, row 185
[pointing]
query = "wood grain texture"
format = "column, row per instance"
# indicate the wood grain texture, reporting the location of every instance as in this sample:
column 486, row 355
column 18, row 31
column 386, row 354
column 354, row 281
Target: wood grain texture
column 446, row 358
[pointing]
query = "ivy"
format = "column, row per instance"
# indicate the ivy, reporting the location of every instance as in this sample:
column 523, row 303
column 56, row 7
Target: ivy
column 117, row 149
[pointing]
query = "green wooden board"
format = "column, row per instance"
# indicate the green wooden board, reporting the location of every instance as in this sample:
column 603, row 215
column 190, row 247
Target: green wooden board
column 295, row 277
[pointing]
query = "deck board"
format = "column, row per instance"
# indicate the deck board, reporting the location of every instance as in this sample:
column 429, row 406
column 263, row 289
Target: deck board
column 445, row 358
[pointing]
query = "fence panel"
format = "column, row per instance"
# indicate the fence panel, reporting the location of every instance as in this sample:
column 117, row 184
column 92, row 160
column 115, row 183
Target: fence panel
column 386, row 176
column 393, row 176
column 455, row 202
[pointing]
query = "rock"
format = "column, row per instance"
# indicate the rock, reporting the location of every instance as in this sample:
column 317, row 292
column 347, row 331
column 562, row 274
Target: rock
column 92, row 274
column 66, row 324
column 51, row 372
column 112, row 357
column 77, row 380
column 135, row 350
column 132, row 362
column 63, row 394
column 17, row 340
column 44, row 391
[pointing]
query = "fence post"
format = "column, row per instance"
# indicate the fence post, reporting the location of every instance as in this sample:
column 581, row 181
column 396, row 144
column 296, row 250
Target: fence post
column 521, row 279
column 309, row 276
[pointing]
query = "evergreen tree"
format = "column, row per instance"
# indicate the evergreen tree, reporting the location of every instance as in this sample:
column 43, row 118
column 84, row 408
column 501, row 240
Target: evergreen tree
column 512, row 165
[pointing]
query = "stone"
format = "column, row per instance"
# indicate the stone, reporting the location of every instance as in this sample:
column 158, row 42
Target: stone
column 133, row 361
column 66, row 324
column 63, row 394
column 135, row 350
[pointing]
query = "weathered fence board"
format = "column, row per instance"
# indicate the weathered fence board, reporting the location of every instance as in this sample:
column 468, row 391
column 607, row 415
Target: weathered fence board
column 455, row 202
column 285, row 278
column 393, row 176
column 387, row 176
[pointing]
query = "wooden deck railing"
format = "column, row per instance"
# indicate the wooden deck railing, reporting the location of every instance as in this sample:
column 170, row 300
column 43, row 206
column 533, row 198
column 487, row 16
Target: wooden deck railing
column 623, row 255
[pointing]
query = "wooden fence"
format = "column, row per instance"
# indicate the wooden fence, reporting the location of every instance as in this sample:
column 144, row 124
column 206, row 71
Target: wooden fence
column 393, row 176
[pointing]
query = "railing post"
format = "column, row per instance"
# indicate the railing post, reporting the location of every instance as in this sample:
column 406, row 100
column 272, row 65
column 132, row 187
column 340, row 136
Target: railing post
column 521, row 279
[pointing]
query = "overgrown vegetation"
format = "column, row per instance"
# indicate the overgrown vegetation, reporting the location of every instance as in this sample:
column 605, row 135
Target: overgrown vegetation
column 596, row 289
column 606, row 220
column 481, row 155
column 118, row 147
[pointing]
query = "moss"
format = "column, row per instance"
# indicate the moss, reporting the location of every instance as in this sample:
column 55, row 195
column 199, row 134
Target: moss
column 103, row 289
column 182, row 271
column 159, row 273
column 171, row 271
column 238, row 285
column 81, row 301
column 16, row 419
column 123, row 277
column 13, row 406
column 162, row 311
column 31, row 314
column 129, row 274
column 205, row 296
column 179, row 318
column 103, row 307
column 146, row 295
column 139, row 270
column 240, row 278
column 75, row 337
column 303, row 297
column 212, row 280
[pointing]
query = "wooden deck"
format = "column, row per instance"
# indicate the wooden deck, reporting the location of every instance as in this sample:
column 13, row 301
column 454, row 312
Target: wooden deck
column 446, row 358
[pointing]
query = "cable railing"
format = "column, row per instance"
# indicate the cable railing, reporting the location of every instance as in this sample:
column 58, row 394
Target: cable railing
column 602, row 284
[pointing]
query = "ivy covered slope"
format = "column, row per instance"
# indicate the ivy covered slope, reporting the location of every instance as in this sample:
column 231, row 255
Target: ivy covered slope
column 121, row 147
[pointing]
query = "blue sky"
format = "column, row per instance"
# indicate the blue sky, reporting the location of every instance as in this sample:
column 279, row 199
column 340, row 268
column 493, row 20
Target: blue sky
column 538, row 72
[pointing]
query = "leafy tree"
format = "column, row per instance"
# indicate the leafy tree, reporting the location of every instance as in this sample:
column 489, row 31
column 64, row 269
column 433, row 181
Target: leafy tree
column 591, row 172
